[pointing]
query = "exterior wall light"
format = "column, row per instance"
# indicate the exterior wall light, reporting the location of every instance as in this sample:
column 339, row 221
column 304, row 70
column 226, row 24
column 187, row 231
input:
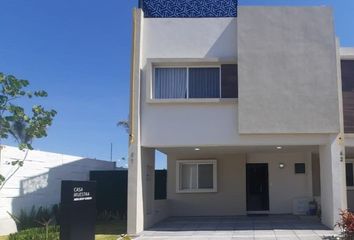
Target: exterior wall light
column 281, row 165
column 279, row 147
column 196, row 149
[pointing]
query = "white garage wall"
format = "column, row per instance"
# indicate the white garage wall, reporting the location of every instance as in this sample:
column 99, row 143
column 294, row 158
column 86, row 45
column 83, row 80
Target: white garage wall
column 38, row 181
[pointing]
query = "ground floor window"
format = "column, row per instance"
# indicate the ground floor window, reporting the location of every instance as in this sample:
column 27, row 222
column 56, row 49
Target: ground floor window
column 196, row 176
column 349, row 174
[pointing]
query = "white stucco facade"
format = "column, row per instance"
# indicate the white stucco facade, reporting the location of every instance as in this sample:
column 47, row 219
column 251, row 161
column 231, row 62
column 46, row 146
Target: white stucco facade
column 285, row 113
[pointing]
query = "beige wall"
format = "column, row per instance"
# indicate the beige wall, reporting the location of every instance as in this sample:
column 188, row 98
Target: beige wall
column 284, row 184
column 230, row 198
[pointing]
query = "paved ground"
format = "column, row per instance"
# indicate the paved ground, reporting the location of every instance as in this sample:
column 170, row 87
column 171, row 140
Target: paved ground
column 279, row 227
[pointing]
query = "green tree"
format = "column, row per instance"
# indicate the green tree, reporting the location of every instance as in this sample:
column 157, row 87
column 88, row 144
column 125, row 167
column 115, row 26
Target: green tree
column 15, row 121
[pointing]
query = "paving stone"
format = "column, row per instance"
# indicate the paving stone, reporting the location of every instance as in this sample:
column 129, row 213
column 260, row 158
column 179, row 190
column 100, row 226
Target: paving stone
column 279, row 227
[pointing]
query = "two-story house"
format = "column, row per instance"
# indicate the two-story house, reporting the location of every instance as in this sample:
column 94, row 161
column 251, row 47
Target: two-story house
column 246, row 103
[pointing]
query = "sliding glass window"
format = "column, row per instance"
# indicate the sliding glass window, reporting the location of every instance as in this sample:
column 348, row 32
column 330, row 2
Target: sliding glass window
column 188, row 82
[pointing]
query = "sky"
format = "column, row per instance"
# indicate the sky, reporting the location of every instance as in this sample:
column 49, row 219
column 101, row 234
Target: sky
column 79, row 52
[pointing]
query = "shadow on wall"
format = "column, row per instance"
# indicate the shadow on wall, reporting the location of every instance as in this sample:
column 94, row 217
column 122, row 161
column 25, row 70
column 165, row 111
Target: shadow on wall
column 227, row 38
column 44, row 189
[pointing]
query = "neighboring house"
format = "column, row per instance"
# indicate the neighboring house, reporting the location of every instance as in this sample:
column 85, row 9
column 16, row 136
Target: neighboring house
column 38, row 182
column 247, row 108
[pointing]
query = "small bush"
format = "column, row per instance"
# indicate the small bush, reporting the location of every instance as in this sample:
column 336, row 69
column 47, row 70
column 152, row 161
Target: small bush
column 56, row 213
column 36, row 234
column 25, row 220
column 106, row 216
column 36, row 217
column 346, row 224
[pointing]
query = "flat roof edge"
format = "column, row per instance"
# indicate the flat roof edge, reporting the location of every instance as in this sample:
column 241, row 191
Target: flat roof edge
column 347, row 53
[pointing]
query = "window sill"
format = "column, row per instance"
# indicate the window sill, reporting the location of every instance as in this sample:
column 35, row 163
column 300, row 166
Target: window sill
column 197, row 191
column 350, row 188
column 194, row 100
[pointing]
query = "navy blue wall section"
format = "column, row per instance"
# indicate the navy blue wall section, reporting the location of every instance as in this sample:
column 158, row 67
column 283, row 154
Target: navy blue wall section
column 188, row 8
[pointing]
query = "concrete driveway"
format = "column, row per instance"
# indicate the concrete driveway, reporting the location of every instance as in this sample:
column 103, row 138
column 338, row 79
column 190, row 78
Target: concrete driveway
column 271, row 227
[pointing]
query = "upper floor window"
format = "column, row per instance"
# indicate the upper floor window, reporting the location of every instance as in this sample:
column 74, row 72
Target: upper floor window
column 195, row 82
column 348, row 94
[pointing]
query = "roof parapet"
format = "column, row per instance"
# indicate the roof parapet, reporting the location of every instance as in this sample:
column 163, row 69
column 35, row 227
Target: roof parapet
column 188, row 9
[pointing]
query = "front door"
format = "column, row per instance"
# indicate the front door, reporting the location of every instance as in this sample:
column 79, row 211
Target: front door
column 257, row 187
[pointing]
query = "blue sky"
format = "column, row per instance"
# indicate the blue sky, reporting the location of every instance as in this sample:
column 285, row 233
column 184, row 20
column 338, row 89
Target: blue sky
column 79, row 52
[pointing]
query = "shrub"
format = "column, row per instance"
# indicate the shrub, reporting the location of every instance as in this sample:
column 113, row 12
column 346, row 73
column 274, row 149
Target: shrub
column 106, row 216
column 36, row 217
column 56, row 213
column 346, row 224
column 36, row 234
column 25, row 220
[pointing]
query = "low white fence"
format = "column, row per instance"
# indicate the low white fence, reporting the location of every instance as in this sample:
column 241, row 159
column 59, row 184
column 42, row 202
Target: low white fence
column 37, row 183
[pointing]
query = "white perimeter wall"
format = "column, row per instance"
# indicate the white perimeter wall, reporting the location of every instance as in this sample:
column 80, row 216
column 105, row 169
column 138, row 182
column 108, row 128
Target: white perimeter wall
column 38, row 181
column 230, row 199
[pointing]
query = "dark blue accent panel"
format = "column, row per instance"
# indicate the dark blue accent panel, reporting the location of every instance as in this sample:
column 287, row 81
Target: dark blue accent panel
column 189, row 8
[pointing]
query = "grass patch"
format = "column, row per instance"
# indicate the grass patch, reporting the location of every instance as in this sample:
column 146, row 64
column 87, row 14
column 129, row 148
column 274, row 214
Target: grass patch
column 106, row 237
column 110, row 230
column 113, row 227
column 107, row 230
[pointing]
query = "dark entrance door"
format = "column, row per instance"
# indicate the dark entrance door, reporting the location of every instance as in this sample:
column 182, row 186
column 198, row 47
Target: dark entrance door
column 257, row 187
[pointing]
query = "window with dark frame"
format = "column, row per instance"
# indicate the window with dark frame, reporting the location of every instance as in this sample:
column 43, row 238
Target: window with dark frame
column 196, row 176
column 195, row 82
column 347, row 72
column 299, row 168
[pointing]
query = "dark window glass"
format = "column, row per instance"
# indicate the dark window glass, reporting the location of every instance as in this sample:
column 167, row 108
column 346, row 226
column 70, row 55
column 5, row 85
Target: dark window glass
column 205, row 176
column 348, row 94
column 299, row 167
column 204, row 82
column 349, row 174
column 229, row 81
column 347, row 67
column 160, row 184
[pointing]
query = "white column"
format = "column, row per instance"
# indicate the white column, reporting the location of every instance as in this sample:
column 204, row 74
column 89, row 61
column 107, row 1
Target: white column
column 148, row 171
column 135, row 208
column 333, row 186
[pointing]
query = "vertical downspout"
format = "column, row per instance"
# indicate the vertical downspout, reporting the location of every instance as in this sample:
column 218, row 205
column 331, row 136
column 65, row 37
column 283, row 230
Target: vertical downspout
column 341, row 139
column 132, row 84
